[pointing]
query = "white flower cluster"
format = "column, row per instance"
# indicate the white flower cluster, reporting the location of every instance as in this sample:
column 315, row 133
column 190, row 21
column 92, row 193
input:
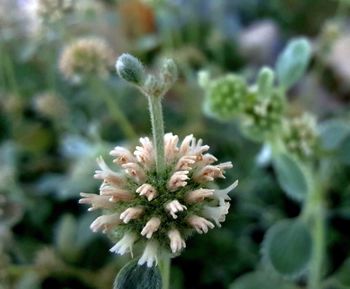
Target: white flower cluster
column 159, row 211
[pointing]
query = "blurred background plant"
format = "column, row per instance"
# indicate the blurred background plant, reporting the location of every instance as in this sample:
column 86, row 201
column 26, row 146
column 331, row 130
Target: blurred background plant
column 279, row 116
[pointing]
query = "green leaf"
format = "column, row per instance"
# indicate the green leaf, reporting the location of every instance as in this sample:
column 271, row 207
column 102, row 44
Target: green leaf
column 343, row 153
column 83, row 232
column 333, row 133
column 134, row 276
column 29, row 280
column 66, row 235
column 265, row 81
column 292, row 62
column 260, row 280
column 287, row 247
column 291, row 176
column 342, row 277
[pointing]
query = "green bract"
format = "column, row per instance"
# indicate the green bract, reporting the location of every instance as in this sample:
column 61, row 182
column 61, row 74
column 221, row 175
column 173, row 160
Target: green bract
column 132, row 276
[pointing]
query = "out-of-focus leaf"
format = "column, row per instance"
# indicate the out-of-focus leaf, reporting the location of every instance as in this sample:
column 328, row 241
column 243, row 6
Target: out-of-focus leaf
column 133, row 276
column 66, row 237
column 10, row 212
column 75, row 146
column 79, row 178
column 260, row 280
column 343, row 153
column 341, row 278
column 291, row 176
column 333, row 133
column 34, row 138
column 29, row 280
column 287, row 247
column 8, row 162
column 292, row 62
column 50, row 183
column 84, row 233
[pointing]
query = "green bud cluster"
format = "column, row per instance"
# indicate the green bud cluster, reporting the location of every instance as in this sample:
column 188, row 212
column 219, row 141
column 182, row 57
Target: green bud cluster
column 300, row 136
column 225, row 96
column 262, row 114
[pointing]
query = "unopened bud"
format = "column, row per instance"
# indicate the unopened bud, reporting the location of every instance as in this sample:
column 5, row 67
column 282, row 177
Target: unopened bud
column 153, row 86
column 265, row 81
column 130, row 69
column 169, row 72
column 203, row 78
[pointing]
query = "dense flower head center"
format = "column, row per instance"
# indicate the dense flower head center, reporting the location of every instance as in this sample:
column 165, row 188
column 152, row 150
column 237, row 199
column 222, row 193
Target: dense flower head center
column 159, row 210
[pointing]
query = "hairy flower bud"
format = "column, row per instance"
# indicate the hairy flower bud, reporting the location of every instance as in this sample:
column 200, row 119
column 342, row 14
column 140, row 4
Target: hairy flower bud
column 153, row 86
column 130, row 69
column 169, row 72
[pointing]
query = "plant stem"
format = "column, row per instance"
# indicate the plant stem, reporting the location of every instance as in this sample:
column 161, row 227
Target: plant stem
column 115, row 111
column 314, row 211
column 155, row 108
column 164, row 267
column 318, row 234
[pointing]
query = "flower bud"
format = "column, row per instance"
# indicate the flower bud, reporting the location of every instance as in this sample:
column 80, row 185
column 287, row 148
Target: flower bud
column 169, row 72
column 203, row 78
column 130, row 69
column 265, row 81
column 153, row 86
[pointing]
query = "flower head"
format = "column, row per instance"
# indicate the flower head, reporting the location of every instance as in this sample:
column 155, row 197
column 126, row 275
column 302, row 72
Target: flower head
column 86, row 57
column 159, row 211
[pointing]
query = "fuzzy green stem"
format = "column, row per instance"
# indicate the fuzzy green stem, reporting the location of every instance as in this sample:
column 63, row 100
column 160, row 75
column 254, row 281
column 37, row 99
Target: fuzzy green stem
column 155, row 108
column 318, row 235
column 314, row 212
column 115, row 112
column 164, row 267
